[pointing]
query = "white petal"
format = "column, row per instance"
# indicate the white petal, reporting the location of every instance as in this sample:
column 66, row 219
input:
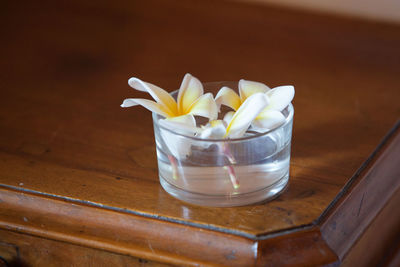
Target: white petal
column 150, row 105
column 228, row 97
column 205, row 106
column 228, row 117
column 248, row 88
column 191, row 89
column 246, row 114
column 280, row 97
column 268, row 120
column 214, row 130
column 180, row 127
column 178, row 146
column 187, row 119
column 160, row 95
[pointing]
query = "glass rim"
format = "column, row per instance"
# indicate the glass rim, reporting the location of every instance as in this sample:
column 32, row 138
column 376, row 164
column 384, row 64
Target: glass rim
column 288, row 119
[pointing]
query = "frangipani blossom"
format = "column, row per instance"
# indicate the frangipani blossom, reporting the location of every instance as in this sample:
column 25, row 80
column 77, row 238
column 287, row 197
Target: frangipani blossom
column 235, row 124
column 191, row 100
column 270, row 116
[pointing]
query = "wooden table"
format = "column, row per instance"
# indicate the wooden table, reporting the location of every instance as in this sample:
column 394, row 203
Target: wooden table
column 78, row 174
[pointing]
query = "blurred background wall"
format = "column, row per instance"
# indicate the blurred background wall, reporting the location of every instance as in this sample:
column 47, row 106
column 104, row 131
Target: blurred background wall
column 383, row 10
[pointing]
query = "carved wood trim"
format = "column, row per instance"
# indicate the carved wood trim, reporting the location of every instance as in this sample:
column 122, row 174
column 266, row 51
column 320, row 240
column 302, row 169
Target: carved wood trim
column 364, row 197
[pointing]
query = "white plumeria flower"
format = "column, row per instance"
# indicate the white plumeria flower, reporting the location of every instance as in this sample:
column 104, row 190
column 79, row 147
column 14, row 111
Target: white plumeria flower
column 191, row 101
column 235, row 124
column 179, row 115
column 271, row 116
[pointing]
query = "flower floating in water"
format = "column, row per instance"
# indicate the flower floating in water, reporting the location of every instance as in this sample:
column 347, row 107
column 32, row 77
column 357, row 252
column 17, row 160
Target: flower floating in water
column 271, row 115
column 191, row 101
column 256, row 106
column 235, row 124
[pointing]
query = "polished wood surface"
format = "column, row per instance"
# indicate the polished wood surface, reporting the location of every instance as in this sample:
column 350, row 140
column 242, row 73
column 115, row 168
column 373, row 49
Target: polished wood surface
column 69, row 151
column 41, row 252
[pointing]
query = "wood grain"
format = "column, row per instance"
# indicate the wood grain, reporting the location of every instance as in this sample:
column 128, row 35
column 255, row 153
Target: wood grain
column 382, row 236
column 44, row 252
column 131, row 234
column 364, row 200
column 66, row 142
column 303, row 248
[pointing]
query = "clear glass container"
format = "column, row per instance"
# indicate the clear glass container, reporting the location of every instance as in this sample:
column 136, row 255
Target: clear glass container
column 224, row 172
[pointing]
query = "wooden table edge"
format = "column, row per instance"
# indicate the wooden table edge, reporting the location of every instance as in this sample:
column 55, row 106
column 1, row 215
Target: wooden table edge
column 372, row 189
column 322, row 241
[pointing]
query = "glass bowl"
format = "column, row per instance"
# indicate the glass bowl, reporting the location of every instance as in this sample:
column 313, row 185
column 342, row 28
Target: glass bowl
column 224, row 172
